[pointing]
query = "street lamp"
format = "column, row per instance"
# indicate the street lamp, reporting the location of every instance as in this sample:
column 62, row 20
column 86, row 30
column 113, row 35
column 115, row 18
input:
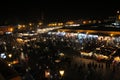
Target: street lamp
column 47, row 74
column 61, row 73
column 118, row 12
column 10, row 55
column 111, row 35
column 30, row 24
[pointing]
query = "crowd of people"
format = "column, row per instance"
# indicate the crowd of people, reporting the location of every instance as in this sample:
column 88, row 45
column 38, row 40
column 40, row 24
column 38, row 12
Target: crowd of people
column 37, row 56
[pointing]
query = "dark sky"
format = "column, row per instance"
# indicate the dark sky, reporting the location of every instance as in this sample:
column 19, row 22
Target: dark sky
column 56, row 10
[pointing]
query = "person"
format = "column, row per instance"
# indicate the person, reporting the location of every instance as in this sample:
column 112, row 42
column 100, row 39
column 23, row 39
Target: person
column 7, row 72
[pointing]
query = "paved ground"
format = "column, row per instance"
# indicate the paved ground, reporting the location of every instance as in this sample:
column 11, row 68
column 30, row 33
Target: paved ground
column 89, row 69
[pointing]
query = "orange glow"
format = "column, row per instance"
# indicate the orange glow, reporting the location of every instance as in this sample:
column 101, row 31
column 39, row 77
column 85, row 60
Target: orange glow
column 111, row 34
column 30, row 24
column 70, row 22
column 11, row 29
column 61, row 72
column 15, row 62
column 40, row 23
column 87, row 32
column 84, row 22
column 119, row 17
column 47, row 73
column 117, row 59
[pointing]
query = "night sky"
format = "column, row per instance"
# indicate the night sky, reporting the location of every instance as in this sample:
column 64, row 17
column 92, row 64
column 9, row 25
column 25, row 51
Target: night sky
column 59, row 10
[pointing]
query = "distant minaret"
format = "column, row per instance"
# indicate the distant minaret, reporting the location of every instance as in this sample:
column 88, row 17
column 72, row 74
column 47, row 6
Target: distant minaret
column 42, row 16
column 118, row 15
column 118, row 19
